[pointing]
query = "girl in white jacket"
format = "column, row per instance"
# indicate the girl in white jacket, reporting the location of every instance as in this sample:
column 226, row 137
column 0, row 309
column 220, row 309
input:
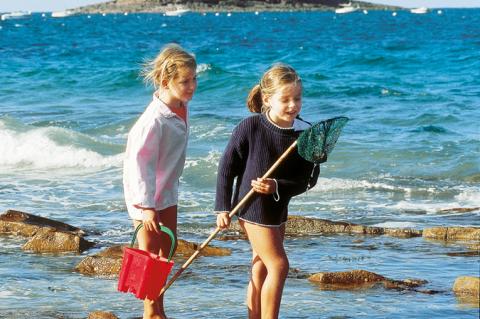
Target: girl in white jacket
column 155, row 154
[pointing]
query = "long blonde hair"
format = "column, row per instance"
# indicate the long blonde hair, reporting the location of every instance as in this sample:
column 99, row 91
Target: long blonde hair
column 277, row 76
column 166, row 64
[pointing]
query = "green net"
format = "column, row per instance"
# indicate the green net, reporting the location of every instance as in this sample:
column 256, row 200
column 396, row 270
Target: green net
column 315, row 143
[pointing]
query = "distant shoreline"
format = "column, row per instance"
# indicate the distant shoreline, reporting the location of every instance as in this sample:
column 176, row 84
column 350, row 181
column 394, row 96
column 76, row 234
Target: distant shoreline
column 145, row 6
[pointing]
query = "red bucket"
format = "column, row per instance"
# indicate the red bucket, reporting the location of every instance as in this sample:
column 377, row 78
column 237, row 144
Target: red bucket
column 144, row 274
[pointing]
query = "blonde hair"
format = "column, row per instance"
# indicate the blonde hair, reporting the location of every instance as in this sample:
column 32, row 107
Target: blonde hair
column 277, row 76
column 165, row 66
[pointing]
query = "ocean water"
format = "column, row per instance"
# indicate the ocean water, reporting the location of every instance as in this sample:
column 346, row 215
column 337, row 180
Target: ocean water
column 70, row 91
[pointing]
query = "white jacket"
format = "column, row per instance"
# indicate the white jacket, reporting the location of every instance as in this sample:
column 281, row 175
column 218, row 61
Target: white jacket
column 154, row 159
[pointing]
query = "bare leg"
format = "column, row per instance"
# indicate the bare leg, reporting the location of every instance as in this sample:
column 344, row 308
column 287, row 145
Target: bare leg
column 254, row 293
column 269, row 270
column 157, row 244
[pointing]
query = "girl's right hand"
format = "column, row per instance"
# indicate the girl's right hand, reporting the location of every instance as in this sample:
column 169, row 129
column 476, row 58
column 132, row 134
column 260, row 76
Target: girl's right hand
column 151, row 220
column 223, row 220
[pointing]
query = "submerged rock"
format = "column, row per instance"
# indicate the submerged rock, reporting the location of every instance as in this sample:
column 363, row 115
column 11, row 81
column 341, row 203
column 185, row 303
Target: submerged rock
column 460, row 209
column 361, row 279
column 46, row 235
column 464, row 254
column 108, row 262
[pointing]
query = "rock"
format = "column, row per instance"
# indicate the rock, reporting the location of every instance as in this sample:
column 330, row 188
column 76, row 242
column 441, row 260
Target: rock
column 299, row 226
column 108, row 262
column 46, row 235
column 100, row 266
column 24, row 224
column 403, row 232
column 49, row 240
column 297, row 273
column 452, row 233
column 464, row 254
column 460, row 209
column 345, row 279
column 101, row 315
column 467, row 285
column 186, row 249
column 360, row 279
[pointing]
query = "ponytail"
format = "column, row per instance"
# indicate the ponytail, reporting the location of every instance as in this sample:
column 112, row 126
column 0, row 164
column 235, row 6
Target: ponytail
column 254, row 99
column 274, row 78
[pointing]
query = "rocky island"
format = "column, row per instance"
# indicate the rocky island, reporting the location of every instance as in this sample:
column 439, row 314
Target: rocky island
column 163, row 6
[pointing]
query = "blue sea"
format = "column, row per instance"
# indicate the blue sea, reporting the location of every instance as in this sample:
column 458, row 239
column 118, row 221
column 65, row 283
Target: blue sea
column 70, row 91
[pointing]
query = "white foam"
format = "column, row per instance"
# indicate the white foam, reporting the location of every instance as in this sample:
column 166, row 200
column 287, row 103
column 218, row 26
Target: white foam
column 333, row 184
column 393, row 224
column 6, row 294
column 203, row 67
column 211, row 159
column 469, row 197
column 428, row 207
column 35, row 148
column 215, row 132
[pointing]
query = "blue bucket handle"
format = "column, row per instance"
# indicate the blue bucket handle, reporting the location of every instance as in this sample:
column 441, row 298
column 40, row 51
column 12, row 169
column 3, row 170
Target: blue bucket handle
column 165, row 229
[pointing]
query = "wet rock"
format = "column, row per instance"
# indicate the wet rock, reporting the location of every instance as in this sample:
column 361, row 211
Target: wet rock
column 52, row 241
column 186, row 249
column 101, row 315
column 46, row 235
column 24, row 224
column 403, row 232
column 299, row 226
column 467, row 285
column 297, row 273
column 460, row 209
column 452, row 233
column 360, row 279
column 108, row 262
column 345, row 279
column 100, row 266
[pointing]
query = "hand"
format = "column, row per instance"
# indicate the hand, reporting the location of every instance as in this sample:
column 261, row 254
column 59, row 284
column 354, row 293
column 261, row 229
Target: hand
column 223, row 220
column 264, row 186
column 151, row 220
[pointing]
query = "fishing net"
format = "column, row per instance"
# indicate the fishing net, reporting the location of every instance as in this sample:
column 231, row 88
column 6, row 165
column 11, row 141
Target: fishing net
column 315, row 143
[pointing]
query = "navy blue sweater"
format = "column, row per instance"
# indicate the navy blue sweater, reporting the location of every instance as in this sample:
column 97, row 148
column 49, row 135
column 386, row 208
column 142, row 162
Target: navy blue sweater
column 255, row 145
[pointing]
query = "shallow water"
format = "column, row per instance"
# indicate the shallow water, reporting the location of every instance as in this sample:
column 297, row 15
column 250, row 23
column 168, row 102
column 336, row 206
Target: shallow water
column 410, row 84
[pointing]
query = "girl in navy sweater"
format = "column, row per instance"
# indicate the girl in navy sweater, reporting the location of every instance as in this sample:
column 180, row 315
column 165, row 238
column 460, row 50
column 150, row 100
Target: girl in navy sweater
column 256, row 143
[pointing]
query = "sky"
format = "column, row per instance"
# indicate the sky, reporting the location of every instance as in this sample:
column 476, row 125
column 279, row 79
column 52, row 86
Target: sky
column 56, row 5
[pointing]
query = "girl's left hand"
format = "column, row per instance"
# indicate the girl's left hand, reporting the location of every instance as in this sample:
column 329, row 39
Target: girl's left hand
column 151, row 220
column 264, row 186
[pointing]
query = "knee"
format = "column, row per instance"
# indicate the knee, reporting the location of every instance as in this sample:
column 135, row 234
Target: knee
column 280, row 267
column 259, row 270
